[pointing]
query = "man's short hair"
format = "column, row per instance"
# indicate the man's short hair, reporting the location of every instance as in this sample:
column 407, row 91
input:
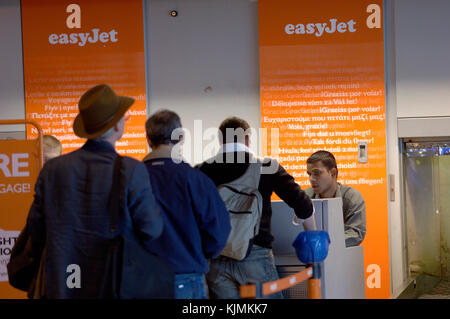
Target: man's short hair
column 325, row 157
column 233, row 123
column 52, row 144
column 160, row 126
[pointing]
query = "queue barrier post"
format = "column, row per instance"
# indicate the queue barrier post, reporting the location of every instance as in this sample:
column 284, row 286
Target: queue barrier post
column 311, row 248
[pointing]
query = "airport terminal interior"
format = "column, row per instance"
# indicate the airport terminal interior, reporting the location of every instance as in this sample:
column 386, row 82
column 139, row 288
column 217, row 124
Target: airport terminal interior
column 366, row 80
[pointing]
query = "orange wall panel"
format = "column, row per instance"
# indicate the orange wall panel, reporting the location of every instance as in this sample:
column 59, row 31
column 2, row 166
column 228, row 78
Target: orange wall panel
column 69, row 49
column 322, row 85
column 19, row 169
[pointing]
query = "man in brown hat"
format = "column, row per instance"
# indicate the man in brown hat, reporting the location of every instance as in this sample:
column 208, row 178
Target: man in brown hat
column 70, row 215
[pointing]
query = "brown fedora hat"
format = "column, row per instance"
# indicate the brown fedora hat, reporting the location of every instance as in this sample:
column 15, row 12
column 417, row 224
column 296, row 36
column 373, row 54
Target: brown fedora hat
column 100, row 108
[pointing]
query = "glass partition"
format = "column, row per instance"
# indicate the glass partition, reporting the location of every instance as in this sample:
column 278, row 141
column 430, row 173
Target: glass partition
column 427, row 205
column 444, row 185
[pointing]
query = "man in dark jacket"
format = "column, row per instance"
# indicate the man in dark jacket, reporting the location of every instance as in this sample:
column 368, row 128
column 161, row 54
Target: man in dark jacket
column 196, row 221
column 227, row 274
column 70, row 214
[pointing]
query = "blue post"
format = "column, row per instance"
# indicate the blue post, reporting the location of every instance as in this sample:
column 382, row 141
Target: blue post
column 311, row 248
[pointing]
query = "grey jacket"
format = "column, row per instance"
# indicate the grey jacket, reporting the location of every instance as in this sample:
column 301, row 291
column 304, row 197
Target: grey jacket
column 354, row 210
column 70, row 215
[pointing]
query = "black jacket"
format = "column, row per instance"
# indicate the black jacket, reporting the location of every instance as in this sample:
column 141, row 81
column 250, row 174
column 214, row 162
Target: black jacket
column 279, row 182
column 70, row 213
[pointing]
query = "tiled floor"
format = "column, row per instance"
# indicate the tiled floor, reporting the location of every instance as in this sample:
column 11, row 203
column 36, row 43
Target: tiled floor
column 441, row 291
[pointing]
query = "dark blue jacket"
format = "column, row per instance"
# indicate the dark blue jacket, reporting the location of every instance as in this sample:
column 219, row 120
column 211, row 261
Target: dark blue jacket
column 196, row 222
column 70, row 213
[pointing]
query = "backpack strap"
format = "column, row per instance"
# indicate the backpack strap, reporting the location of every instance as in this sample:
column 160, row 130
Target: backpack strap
column 252, row 175
column 114, row 199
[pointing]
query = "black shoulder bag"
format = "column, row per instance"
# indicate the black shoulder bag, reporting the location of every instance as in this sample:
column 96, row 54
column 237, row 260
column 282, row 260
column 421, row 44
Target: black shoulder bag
column 23, row 264
column 136, row 272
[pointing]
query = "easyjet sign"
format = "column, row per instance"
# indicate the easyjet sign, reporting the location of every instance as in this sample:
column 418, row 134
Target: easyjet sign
column 15, row 165
column 80, row 38
column 88, row 43
column 84, row 37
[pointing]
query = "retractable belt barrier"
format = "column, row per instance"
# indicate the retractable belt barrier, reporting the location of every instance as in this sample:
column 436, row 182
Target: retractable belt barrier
column 311, row 248
column 20, row 163
column 259, row 290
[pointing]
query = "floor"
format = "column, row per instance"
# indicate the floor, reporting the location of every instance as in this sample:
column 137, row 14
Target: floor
column 441, row 291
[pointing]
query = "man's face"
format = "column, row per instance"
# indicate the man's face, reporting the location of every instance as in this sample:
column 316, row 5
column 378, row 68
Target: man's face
column 321, row 179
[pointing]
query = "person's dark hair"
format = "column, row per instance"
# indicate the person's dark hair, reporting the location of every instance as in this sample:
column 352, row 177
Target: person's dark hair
column 325, row 157
column 233, row 123
column 160, row 125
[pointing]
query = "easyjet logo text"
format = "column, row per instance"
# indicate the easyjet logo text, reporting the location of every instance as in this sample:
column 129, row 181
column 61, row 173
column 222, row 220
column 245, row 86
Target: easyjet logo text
column 80, row 38
column 83, row 37
column 373, row 21
column 318, row 29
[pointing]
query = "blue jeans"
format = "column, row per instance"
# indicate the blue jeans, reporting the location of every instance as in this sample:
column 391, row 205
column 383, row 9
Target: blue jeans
column 190, row 286
column 226, row 274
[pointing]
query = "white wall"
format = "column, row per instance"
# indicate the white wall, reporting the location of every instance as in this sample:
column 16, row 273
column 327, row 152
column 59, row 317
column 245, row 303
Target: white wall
column 397, row 249
column 422, row 58
column 12, row 102
column 204, row 62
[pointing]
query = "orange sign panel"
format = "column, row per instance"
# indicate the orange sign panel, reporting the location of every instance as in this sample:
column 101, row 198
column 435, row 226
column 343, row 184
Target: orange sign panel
column 322, row 85
column 69, row 48
column 19, row 168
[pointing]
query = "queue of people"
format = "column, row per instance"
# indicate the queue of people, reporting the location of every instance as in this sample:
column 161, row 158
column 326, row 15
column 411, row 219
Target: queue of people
column 175, row 211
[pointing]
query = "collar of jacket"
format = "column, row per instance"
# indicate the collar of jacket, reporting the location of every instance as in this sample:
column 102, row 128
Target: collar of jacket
column 338, row 192
column 234, row 147
column 146, row 158
column 98, row 146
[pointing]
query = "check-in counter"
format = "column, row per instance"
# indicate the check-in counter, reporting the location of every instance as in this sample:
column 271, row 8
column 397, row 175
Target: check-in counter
column 342, row 270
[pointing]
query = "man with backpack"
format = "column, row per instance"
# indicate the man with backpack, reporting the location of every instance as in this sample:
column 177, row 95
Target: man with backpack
column 246, row 184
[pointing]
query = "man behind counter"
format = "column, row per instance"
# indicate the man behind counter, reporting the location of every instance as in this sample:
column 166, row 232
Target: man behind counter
column 323, row 172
